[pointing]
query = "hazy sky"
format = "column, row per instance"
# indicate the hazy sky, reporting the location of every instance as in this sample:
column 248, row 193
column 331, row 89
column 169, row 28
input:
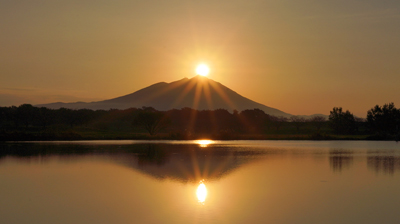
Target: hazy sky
column 302, row 57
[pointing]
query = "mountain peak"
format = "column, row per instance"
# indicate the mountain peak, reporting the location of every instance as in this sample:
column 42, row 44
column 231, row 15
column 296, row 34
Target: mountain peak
column 198, row 92
column 201, row 78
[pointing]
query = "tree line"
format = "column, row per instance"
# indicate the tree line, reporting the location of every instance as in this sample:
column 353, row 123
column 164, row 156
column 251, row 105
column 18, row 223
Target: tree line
column 383, row 122
column 186, row 120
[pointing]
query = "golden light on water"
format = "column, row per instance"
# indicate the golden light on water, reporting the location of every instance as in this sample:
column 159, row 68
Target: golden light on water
column 202, row 70
column 204, row 143
column 201, row 192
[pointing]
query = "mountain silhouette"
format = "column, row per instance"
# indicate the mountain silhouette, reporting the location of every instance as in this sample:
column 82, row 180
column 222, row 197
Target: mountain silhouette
column 199, row 93
column 179, row 162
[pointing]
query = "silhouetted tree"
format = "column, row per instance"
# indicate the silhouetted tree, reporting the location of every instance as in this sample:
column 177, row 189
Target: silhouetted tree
column 26, row 113
column 298, row 122
column 46, row 116
column 384, row 120
column 253, row 120
column 235, row 120
column 317, row 122
column 83, row 116
column 151, row 120
column 278, row 121
column 3, row 117
column 342, row 122
column 67, row 116
column 223, row 119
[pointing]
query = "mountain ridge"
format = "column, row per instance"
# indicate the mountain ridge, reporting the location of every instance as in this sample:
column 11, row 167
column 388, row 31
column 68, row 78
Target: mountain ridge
column 198, row 92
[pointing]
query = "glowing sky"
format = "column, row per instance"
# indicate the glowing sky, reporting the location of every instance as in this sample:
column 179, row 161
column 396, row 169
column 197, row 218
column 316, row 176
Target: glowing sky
column 302, row 57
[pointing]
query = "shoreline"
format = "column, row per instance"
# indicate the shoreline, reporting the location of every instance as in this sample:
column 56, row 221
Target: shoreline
column 71, row 136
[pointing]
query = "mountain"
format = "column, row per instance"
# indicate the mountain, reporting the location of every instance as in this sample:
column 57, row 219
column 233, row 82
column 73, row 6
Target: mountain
column 184, row 162
column 198, row 92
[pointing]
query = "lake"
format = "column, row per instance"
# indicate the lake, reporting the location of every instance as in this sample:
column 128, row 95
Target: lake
column 200, row 182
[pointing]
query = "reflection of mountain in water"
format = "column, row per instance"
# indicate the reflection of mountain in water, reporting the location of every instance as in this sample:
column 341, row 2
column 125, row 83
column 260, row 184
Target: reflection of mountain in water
column 162, row 161
column 189, row 162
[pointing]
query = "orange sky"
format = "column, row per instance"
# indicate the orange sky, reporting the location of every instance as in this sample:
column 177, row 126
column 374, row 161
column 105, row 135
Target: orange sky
column 300, row 57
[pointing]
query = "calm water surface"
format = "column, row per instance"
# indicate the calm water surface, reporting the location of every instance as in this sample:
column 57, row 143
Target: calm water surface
column 200, row 182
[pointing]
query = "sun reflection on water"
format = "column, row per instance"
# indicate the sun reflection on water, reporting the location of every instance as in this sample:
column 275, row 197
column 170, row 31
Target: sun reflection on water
column 201, row 192
column 204, row 143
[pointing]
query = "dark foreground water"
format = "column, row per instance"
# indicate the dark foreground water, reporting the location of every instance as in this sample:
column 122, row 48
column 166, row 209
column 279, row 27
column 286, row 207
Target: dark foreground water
column 200, row 182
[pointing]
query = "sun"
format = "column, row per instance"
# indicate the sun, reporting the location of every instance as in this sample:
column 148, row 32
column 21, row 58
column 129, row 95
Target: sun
column 202, row 69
